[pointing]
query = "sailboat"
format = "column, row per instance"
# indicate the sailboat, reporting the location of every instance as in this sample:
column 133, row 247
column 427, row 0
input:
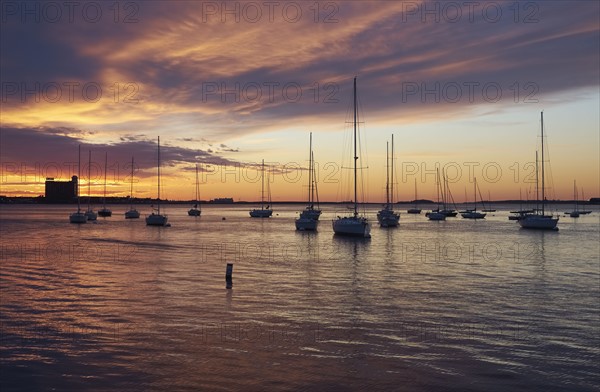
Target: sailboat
column 156, row 219
column 90, row 214
column 537, row 220
column 446, row 197
column 387, row 217
column 195, row 211
column 353, row 225
column 104, row 212
column 575, row 213
column 78, row 217
column 415, row 209
column 437, row 215
column 584, row 212
column 132, row 213
column 309, row 218
column 263, row 212
column 473, row 214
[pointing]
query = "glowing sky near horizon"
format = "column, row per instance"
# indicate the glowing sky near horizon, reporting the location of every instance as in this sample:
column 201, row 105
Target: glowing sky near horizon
column 227, row 84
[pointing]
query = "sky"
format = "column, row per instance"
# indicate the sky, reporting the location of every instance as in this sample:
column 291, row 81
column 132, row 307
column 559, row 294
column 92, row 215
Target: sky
column 460, row 85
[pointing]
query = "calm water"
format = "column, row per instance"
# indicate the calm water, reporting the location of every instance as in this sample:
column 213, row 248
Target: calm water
column 456, row 305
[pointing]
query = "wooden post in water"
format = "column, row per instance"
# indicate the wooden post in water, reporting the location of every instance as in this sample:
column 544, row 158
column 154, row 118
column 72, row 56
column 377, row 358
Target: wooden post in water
column 229, row 276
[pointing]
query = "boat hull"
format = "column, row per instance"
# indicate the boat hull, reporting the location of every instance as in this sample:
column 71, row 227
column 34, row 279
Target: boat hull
column 351, row 226
column 538, row 222
column 413, row 211
column 388, row 218
column 194, row 212
column 78, row 217
column 91, row 215
column 104, row 212
column 132, row 214
column 156, row 220
column 306, row 224
column 261, row 213
column 473, row 215
column 436, row 216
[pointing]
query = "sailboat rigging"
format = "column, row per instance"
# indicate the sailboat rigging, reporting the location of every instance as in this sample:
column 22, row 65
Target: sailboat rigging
column 309, row 218
column 156, row 218
column 354, row 225
column 195, row 210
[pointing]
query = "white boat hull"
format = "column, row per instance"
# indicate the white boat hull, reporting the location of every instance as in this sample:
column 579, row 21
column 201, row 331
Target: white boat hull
column 132, row 214
column 352, row 226
column 91, row 215
column 78, row 217
column 156, row 220
column 261, row 213
column 538, row 222
column 473, row 215
column 306, row 224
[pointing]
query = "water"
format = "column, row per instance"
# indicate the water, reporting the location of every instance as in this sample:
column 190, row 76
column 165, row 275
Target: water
column 456, row 305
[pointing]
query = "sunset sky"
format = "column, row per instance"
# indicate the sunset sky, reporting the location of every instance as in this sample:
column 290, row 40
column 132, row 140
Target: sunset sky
column 459, row 85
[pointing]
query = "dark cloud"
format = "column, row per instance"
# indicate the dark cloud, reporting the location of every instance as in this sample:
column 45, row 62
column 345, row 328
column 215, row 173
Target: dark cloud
column 35, row 148
column 173, row 56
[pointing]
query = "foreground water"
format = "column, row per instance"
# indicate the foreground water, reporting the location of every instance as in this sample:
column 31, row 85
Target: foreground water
column 456, row 305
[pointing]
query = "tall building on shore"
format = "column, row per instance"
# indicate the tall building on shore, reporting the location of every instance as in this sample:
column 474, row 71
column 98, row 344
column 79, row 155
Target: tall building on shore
column 61, row 191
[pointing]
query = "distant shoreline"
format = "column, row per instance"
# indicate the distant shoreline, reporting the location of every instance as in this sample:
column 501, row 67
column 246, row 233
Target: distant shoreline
column 147, row 201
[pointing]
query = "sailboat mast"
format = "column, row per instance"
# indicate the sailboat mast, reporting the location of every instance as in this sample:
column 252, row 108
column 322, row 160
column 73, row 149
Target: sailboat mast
column 392, row 174
column 310, row 185
column 197, row 187
column 355, row 154
column 159, row 175
column 543, row 184
column 475, row 193
column 314, row 181
column 105, row 169
column 78, row 178
column 387, row 176
column 89, row 180
column 537, row 184
column 262, row 194
column 437, row 187
column 575, row 195
column 131, row 187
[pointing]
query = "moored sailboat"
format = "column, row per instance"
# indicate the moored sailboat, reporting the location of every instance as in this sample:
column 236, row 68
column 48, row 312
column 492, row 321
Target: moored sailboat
column 195, row 210
column 354, row 225
column 78, row 217
column 436, row 215
column 387, row 217
column 539, row 220
column 132, row 213
column 474, row 214
column 156, row 218
column 263, row 212
column 309, row 217
column 575, row 213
